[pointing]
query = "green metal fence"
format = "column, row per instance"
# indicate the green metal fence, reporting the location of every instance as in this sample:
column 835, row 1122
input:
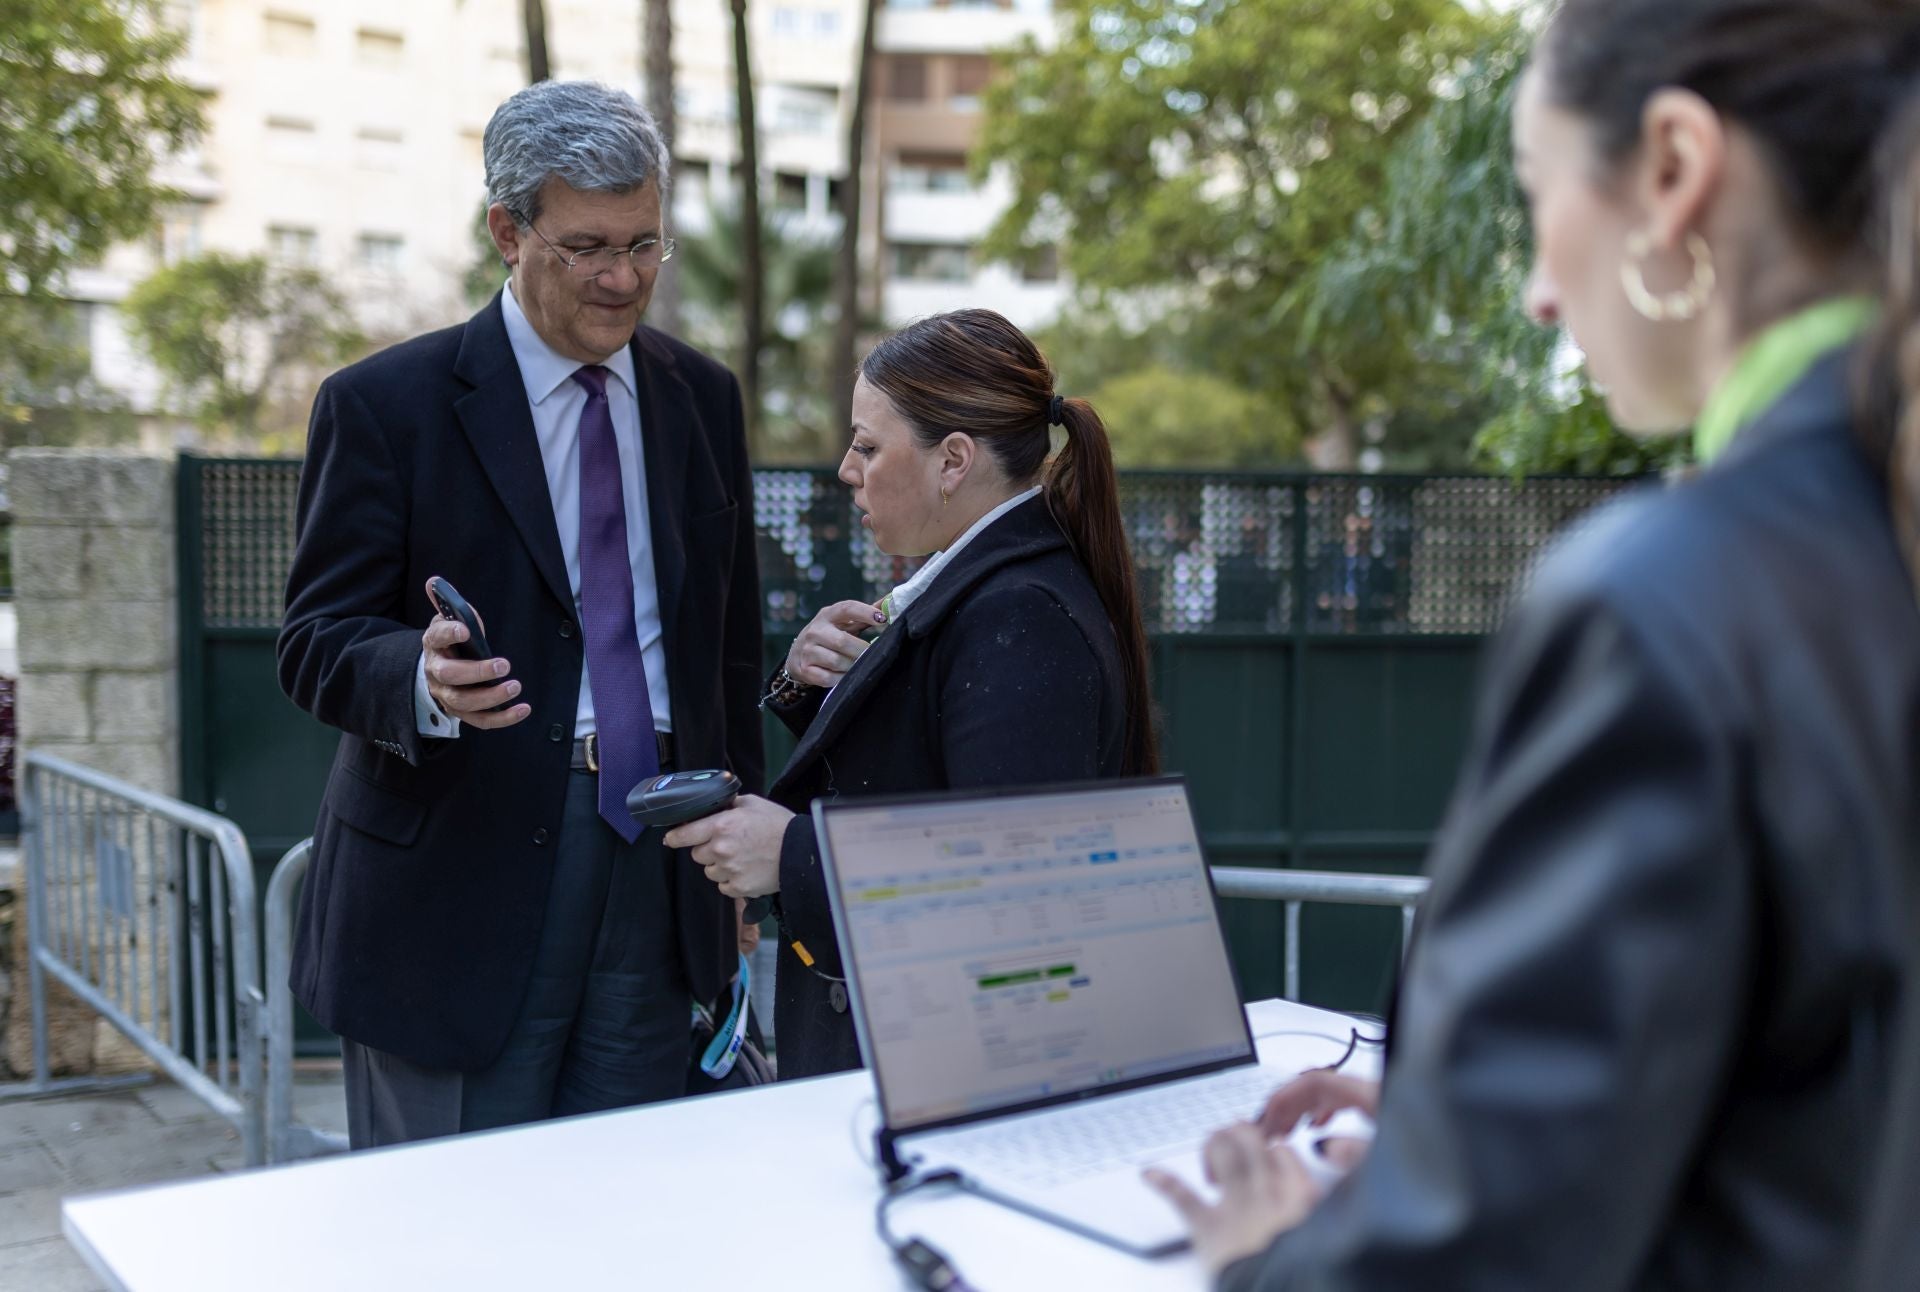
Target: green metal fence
column 1315, row 639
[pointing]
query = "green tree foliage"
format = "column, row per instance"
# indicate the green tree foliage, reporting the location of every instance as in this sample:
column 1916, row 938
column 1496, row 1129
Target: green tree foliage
column 485, row 271
column 86, row 100
column 798, row 283
column 1195, row 159
column 87, row 104
column 1432, row 278
column 1311, row 203
column 1164, row 417
column 241, row 340
column 47, row 391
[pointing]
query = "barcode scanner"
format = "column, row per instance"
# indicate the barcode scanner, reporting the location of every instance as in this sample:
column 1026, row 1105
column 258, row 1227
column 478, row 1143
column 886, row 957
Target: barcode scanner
column 671, row 798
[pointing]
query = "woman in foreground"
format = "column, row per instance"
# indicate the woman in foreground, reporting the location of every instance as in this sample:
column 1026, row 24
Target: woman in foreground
column 1646, row 1032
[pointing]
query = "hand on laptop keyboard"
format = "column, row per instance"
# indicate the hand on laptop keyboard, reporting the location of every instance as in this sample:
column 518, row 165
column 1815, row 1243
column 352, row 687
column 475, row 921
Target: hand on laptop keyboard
column 1317, row 1095
column 1265, row 1190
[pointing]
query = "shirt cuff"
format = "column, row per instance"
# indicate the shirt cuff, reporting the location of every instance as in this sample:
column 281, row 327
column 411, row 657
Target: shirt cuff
column 429, row 719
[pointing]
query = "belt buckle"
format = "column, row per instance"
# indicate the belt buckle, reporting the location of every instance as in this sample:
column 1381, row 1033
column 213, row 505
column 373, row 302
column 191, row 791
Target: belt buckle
column 593, row 752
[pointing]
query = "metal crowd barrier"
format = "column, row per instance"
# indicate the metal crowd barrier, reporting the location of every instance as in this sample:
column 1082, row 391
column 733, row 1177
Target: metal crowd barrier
column 1298, row 887
column 143, row 907
column 287, row 1140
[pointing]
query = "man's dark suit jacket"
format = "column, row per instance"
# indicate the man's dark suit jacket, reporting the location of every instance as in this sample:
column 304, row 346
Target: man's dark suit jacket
column 1647, row 1025
column 419, row 920
column 1004, row 672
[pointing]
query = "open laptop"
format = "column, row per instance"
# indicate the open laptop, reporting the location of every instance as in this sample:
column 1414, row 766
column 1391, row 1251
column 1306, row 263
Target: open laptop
column 1042, row 991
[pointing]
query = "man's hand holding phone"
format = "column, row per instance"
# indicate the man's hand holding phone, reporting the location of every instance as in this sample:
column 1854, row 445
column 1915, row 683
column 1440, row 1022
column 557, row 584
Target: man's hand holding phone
column 477, row 692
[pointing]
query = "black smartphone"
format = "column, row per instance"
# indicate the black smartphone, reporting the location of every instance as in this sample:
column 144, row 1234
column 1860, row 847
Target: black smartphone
column 451, row 605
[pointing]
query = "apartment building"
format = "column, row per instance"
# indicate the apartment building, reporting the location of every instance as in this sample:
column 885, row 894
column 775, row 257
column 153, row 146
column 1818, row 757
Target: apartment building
column 345, row 135
column 925, row 216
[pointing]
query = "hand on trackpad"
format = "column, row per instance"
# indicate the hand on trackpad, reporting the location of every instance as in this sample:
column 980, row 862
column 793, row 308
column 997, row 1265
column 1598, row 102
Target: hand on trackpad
column 1327, row 1151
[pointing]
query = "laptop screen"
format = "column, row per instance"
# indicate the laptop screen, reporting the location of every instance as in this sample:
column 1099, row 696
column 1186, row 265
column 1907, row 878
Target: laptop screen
column 1021, row 947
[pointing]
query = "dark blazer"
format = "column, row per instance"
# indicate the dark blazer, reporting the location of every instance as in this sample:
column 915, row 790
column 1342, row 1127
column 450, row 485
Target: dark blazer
column 1644, row 1036
column 418, row 924
column 1004, row 672
column 1893, row 1255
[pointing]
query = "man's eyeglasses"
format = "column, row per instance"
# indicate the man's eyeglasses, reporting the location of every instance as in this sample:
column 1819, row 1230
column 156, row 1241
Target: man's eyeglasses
column 595, row 261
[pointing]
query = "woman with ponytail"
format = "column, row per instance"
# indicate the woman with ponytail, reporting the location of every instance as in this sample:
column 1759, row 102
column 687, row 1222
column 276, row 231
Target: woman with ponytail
column 1647, row 1031
column 1014, row 656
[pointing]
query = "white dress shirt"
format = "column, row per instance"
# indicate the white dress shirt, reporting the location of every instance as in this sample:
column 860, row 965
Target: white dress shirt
column 895, row 603
column 556, row 401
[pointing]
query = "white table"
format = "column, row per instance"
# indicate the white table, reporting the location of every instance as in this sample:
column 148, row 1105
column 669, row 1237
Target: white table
column 764, row 1187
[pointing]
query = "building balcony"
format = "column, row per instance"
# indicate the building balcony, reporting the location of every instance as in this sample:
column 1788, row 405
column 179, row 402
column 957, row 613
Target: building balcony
column 940, row 217
column 1027, row 305
column 959, row 29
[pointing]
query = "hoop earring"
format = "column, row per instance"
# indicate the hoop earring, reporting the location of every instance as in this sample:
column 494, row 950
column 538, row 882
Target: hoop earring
column 1674, row 307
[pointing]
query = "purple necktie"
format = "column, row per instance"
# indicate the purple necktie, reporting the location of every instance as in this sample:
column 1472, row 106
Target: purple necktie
column 622, row 708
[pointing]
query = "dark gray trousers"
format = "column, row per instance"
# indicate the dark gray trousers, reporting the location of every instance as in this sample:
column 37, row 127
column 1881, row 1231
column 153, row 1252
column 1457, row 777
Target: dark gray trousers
column 606, row 1021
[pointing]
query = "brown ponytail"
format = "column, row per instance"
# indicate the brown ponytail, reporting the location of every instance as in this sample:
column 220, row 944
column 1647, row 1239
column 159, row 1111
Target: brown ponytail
column 1083, row 491
column 973, row 372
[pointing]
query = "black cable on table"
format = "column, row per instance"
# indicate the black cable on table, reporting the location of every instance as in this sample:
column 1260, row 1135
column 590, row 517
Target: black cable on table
column 925, row 1264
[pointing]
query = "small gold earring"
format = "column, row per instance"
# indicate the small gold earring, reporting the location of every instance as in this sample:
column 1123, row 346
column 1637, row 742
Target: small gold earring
column 1674, row 307
column 944, row 500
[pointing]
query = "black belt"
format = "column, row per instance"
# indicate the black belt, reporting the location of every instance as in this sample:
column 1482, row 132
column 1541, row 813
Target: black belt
column 586, row 752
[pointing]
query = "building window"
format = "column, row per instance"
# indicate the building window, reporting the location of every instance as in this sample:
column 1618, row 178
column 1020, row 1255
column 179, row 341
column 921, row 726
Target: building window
column 789, row 191
column 380, row 253
column 970, row 75
column 379, row 148
column 380, row 48
column 929, row 173
column 291, row 35
column 928, row 262
column 291, row 244
column 803, row 112
column 1041, row 265
column 183, row 16
column 291, row 139
column 178, row 236
column 806, row 24
column 907, row 78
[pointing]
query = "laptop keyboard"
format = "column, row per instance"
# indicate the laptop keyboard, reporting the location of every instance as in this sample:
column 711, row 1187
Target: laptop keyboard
column 1063, row 1145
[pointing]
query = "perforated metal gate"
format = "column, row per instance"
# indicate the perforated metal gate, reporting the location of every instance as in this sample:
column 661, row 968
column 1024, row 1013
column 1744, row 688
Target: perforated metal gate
column 1315, row 640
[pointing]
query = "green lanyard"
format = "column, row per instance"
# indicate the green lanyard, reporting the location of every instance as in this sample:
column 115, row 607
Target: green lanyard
column 1774, row 363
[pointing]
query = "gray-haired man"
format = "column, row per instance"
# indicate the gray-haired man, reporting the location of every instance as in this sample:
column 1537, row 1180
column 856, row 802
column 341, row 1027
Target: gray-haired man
column 483, row 925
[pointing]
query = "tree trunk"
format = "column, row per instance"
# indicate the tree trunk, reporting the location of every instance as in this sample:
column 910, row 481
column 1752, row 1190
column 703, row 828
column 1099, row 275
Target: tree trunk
column 534, row 14
column 846, row 286
column 657, row 20
column 752, row 325
column 1336, row 447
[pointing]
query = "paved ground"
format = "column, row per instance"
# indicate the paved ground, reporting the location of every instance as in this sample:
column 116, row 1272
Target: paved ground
column 50, row 1148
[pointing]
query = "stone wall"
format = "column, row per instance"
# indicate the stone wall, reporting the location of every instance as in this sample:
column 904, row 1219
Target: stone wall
column 93, row 571
column 93, row 567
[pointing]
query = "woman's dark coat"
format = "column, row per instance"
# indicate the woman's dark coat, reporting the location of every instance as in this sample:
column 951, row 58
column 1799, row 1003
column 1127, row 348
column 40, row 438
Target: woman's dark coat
column 1004, row 672
column 1647, row 1029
